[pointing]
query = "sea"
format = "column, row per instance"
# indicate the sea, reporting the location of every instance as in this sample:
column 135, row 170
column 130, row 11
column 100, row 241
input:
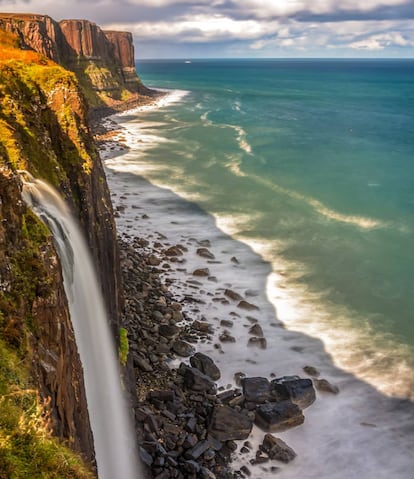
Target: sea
column 298, row 176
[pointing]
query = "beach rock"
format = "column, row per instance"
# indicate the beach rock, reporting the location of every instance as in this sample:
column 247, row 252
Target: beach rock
column 259, row 342
column 168, row 330
column 277, row 449
column 195, row 380
column 247, row 306
column 154, row 260
column 256, row 330
column 141, row 363
column 226, row 337
column 228, row 424
column 233, row 295
column 299, row 391
column 256, row 389
column 202, row 326
column 206, row 365
column 311, row 371
column 173, row 251
column 205, row 253
column 182, row 348
column 201, row 272
column 325, row 386
column 278, row 416
column 234, row 260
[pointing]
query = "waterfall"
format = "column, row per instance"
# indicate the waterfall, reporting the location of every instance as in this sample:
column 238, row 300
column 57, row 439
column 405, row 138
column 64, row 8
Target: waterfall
column 114, row 441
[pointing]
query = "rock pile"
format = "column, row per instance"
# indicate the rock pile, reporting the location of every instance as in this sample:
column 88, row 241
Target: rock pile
column 186, row 428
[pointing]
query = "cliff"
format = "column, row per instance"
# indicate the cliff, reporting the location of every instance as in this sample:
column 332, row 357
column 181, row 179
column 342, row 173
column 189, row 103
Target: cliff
column 103, row 61
column 44, row 129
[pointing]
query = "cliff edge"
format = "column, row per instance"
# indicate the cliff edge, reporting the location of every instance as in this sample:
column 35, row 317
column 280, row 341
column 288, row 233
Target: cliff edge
column 103, row 61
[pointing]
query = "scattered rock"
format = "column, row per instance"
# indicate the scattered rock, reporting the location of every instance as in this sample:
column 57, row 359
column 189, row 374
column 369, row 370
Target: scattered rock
column 233, row 295
column 259, row 342
column 311, row 371
column 206, row 365
column 205, row 253
column 201, row 272
column 277, row 449
column 182, row 348
column 299, row 391
column 256, row 330
column 228, row 424
column 247, row 306
column 196, row 380
column 226, row 337
column 256, row 389
column 278, row 416
column 325, row 386
column 173, row 251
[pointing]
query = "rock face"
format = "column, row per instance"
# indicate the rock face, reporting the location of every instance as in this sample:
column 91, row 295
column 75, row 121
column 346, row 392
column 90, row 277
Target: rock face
column 43, row 125
column 103, row 61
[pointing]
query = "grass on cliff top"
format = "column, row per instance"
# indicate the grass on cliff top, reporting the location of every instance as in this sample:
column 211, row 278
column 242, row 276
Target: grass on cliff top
column 36, row 93
column 27, row 449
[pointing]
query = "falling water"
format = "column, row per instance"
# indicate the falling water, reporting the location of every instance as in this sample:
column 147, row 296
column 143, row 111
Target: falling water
column 114, row 441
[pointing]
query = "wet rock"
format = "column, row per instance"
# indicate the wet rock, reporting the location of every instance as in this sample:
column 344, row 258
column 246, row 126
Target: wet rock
column 168, row 331
column 278, row 416
column 205, row 253
column 227, row 323
column 228, row 424
column 233, row 295
column 277, row 449
column 154, row 260
column 247, row 306
column 202, row 326
column 256, row 330
column 256, row 389
column 258, row 342
column 173, row 251
column 325, row 386
column 195, row 380
column 201, row 272
column 183, row 349
column 226, row 337
column 234, row 260
column 206, row 365
column 311, row 371
column 146, row 458
column 299, row 391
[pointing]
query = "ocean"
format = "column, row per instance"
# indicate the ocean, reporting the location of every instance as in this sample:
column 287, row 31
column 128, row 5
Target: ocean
column 299, row 175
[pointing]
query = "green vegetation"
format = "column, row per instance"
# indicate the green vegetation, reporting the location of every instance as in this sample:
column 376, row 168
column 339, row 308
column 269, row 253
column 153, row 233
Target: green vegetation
column 123, row 346
column 27, row 449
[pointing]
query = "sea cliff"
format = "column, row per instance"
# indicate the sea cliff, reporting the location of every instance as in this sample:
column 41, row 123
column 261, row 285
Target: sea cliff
column 44, row 129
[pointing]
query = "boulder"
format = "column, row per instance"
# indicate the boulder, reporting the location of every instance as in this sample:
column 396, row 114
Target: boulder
column 278, row 416
column 228, row 424
column 182, row 348
column 233, row 295
column 195, row 380
column 201, row 272
column 247, row 306
column 325, row 386
column 299, row 391
column 277, row 449
column 256, row 389
column 205, row 365
column 205, row 253
column 168, row 330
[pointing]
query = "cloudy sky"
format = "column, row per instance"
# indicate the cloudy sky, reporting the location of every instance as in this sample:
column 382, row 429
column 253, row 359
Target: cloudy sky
column 247, row 28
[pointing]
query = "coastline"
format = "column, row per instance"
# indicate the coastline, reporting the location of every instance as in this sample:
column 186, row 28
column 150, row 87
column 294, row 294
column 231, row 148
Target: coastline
column 178, row 330
column 143, row 206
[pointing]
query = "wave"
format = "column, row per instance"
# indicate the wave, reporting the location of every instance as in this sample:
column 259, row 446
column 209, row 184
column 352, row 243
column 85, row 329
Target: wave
column 356, row 220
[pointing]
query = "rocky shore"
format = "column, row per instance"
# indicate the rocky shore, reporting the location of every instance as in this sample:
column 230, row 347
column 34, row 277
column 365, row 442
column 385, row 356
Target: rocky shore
column 187, row 427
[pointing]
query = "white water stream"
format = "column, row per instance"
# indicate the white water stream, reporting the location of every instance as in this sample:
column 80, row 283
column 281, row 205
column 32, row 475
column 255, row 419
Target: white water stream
column 114, row 441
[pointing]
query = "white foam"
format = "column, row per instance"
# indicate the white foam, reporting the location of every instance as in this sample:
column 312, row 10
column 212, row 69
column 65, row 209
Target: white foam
column 332, row 443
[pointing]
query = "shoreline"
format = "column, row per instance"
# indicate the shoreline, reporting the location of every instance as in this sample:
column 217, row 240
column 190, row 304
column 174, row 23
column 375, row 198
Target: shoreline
column 162, row 366
column 147, row 209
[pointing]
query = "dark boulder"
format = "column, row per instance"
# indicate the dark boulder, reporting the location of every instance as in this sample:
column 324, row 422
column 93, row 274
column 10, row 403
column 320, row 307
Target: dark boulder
column 228, row 424
column 182, row 348
column 205, row 365
column 299, row 391
column 256, row 390
column 278, row 416
column 277, row 449
column 195, row 380
column 325, row 386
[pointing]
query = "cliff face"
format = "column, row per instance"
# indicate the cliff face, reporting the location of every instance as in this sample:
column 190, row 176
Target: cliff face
column 44, row 129
column 103, row 61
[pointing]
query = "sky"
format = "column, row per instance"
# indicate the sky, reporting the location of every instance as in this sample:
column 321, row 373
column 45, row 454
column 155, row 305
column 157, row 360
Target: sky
column 246, row 28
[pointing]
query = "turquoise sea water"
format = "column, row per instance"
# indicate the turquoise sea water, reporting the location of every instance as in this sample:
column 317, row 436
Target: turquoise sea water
column 312, row 161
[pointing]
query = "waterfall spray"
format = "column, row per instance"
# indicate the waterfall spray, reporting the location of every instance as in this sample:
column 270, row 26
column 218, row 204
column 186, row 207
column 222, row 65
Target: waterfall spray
column 114, row 441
